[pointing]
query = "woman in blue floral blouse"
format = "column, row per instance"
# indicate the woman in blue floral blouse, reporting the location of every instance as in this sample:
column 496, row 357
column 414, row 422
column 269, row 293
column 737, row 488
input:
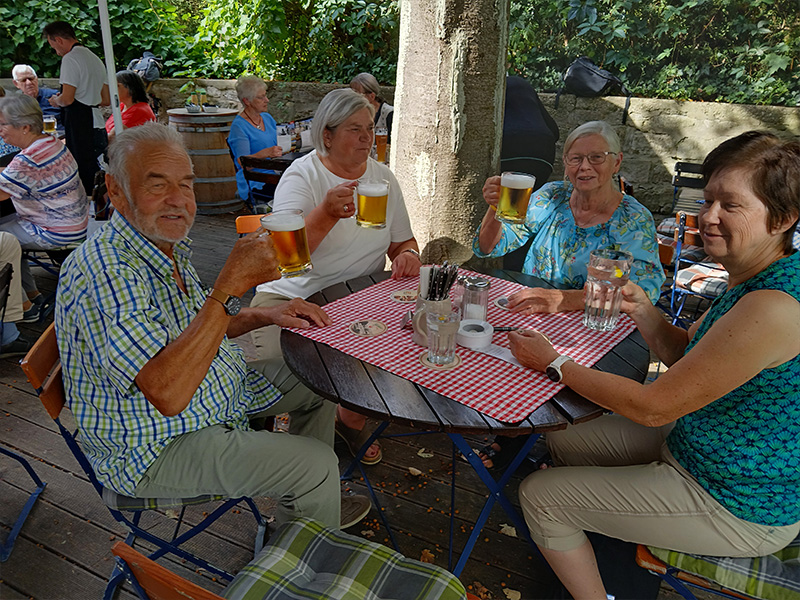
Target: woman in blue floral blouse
column 567, row 220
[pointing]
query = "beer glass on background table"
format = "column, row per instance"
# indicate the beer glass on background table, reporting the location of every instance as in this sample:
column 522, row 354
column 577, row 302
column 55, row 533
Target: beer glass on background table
column 381, row 137
column 515, row 192
column 50, row 125
column 608, row 271
column 287, row 228
column 372, row 195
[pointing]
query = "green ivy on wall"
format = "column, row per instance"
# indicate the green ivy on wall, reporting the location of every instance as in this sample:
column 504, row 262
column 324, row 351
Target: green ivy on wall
column 741, row 51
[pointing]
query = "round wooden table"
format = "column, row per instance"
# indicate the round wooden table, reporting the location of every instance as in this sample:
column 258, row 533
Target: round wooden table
column 370, row 390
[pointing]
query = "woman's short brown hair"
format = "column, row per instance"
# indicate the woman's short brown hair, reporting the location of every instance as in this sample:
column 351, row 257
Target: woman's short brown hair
column 774, row 168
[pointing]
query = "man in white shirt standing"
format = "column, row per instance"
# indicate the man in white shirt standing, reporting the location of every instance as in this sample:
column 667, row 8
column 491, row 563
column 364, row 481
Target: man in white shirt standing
column 83, row 90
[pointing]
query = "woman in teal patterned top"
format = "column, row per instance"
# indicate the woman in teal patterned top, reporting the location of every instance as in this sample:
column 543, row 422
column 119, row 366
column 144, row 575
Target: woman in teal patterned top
column 706, row 459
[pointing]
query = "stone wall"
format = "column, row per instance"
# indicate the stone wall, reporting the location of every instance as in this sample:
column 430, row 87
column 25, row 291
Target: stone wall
column 658, row 132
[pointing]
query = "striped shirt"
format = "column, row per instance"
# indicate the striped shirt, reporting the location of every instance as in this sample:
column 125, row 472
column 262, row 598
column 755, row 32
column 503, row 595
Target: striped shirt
column 117, row 307
column 47, row 193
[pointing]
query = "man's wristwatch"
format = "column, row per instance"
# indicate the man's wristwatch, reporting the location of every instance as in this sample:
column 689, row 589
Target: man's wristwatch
column 553, row 370
column 232, row 304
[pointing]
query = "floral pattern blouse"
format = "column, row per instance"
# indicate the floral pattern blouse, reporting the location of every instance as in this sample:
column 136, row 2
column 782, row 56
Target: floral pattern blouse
column 560, row 250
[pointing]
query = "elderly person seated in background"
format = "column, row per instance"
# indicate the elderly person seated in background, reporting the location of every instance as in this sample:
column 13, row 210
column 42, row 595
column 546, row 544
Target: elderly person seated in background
column 253, row 132
column 704, row 459
column 567, row 220
column 42, row 181
column 134, row 104
column 322, row 185
column 28, row 83
column 366, row 84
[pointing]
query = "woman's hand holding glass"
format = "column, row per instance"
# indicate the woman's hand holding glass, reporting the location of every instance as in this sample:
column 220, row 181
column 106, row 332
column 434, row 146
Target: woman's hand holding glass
column 491, row 191
column 339, row 202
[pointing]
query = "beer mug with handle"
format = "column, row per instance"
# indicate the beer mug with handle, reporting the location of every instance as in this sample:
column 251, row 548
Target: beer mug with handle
column 287, row 228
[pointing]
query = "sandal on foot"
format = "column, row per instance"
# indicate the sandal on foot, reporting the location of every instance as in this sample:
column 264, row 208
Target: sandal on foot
column 501, row 459
column 355, row 439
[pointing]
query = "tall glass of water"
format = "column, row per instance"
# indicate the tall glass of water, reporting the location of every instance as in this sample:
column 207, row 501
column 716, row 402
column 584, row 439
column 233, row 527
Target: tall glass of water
column 608, row 271
column 442, row 330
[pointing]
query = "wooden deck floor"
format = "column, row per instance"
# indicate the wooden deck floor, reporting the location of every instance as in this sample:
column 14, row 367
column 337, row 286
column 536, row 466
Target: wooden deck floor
column 63, row 549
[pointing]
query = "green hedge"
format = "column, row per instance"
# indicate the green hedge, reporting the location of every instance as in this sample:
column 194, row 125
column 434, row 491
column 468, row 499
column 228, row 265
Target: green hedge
column 740, row 51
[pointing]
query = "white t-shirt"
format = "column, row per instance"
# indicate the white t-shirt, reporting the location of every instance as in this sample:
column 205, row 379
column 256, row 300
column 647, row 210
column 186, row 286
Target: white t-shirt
column 348, row 250
column 81, row 68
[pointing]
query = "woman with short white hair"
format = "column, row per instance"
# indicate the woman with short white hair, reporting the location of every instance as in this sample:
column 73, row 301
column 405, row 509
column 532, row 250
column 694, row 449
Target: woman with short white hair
column 322, row 185
column 254, row 132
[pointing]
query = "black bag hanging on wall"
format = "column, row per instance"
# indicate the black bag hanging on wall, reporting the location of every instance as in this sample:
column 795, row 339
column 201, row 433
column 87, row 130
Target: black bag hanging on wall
column 584, row 78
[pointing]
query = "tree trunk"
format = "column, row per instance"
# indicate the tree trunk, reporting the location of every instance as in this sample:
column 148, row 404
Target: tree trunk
column 448, row 117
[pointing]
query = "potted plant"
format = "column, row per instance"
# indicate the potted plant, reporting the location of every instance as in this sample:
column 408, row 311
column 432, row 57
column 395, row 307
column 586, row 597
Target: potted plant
column 193, row 102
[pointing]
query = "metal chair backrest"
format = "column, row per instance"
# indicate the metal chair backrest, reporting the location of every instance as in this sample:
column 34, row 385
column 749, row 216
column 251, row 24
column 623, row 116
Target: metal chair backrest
column 687, row 184
column 157, row 582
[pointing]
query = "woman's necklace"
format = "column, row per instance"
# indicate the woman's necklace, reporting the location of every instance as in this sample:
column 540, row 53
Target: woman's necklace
column 256, row 125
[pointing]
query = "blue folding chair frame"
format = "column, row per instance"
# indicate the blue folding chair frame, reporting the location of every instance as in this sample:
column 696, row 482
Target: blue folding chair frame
column 495, row 488
column 7, row 546
column 49, row 386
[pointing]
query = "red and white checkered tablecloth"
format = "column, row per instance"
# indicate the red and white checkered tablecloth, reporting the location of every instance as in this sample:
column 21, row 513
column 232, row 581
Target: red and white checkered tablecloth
column 499, row 389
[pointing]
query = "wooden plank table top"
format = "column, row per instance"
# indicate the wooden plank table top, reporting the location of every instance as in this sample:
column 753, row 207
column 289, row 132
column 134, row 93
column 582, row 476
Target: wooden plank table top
column 372, row 391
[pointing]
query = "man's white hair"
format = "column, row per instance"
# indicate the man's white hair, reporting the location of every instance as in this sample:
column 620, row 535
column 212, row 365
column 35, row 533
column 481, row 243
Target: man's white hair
column 19, row 70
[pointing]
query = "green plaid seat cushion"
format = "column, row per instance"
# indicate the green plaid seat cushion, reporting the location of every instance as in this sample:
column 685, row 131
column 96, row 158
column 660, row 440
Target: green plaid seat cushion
column 773, row 577
column 119, row 502
column 710, row 280
column 304, row 559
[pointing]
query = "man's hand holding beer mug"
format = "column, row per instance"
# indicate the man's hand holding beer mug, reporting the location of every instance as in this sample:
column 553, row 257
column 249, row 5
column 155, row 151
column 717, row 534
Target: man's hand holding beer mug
column 252, row 261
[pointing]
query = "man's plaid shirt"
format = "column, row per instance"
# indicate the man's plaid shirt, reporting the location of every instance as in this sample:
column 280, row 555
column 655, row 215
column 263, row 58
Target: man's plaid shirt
column 118, row 306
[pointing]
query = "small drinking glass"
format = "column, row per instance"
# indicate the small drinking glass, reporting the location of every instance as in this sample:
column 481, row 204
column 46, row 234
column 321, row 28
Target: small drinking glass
column 442, row 330
column 608, row 271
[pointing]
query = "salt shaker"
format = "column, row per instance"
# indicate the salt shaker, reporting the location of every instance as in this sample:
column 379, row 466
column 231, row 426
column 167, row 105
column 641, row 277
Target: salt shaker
column 475, row 301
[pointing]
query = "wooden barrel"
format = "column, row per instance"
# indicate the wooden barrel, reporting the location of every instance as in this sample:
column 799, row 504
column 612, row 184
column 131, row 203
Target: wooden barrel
column 205, row 136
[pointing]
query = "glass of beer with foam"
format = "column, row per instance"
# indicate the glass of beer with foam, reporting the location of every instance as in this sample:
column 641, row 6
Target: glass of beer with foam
column 49, row 125
column 381, row 137
column 371, row 204
column 515, row 191
column 287, row 228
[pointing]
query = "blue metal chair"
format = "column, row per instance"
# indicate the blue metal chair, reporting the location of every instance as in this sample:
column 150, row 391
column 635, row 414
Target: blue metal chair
column 8, row 545
column 687, row 184
column 43, row 369
column 702, row 279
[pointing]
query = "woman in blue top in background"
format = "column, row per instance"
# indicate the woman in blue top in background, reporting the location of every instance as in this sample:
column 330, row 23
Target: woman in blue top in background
column 704, row 460
column 253, row 131
column 567, row 220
